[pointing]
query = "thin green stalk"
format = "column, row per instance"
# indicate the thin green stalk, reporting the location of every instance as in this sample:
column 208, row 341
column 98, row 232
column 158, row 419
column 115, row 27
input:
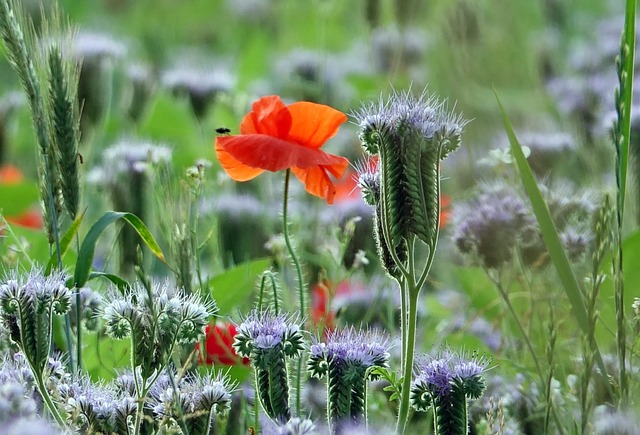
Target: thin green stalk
column 525, row 336
column 16, row 240
column 301, row 286
column 621, row 135
column 47, row 400
column 287, row 240
column 403, row 318
column 78, row 320
column 412, row 321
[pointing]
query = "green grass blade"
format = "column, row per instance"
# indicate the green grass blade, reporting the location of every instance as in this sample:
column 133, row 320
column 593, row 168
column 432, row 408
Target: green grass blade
column 547, row 227
column 87, row 250
column 65, row 242
column 550, row 235
column 114, row 279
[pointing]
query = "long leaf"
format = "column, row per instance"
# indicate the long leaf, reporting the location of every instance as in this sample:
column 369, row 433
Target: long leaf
column 87, row 250
column 114, row 279
column 65, row 242
column 550, row 234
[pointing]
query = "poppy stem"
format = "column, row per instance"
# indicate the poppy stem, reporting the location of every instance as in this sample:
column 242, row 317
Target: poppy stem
column 301, row 286
column 287, row 240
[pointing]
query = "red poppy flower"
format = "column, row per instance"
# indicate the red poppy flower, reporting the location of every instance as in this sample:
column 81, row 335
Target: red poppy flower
column 275, row 137
column 219, row 346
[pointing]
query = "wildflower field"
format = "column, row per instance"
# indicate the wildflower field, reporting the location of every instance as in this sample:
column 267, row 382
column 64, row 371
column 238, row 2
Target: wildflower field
column 319, row 217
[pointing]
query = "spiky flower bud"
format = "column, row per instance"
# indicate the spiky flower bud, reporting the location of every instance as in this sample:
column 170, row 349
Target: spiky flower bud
column 197, row 399
column 267, row 339
column 28, row 306
column 345, row 359
column 446, row 383
column 156, row 319
column 410, row 135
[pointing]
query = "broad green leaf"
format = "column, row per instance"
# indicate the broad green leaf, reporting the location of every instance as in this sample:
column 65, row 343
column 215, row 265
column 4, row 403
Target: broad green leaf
column 18, row 198
column 550, row 234
column 103, row 355
column 234, row 286
column 87, row 250
column 65, row 242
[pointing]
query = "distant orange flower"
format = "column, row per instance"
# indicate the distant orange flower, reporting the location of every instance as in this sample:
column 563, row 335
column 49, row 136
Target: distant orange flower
column 276, row 137
column 9, row 174
column 29, row 219
column 32, row 218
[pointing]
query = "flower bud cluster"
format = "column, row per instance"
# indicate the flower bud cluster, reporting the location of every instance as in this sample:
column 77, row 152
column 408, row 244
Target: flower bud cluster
column 156, row 319
column 345, row 359
column 268, row 339
column 98, row 408
column 197, row 399
column 410, row 136
column 27, row 307
column 446, row 383
column 498, row 223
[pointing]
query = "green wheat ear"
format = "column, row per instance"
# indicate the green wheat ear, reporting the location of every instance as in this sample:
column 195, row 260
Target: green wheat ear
column 65, row 120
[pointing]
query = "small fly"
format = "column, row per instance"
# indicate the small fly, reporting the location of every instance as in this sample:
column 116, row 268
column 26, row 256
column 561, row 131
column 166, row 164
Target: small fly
column 223, row 130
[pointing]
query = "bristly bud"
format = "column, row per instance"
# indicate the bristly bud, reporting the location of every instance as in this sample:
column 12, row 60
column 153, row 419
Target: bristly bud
column 156, row 319
column 447, row 383
column 197, row 399
column 345, row 359
column 267, row 339
column 410, row 135
column 28, row 306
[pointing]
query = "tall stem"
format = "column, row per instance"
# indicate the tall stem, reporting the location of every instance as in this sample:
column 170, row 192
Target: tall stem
column 287, row 240
column 47, row 400
column 410, row 335
column 301, row 286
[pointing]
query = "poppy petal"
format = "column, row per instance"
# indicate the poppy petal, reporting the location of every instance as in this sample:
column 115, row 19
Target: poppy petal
column 273, row 154
column 317, row 182
column 313, row 124
column 268, row 116
column 235, row 169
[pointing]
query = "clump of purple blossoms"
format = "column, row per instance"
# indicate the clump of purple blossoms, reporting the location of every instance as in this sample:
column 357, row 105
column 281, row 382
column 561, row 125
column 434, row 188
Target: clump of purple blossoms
column 446, row 383
column 346, row 359
column 267, row 339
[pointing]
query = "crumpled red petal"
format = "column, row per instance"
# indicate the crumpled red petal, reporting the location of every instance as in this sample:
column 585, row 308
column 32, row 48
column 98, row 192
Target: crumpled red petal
column 317, row 182
column 273, row 154
column 235, row 169
column 269, row 116
column 313, row 124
